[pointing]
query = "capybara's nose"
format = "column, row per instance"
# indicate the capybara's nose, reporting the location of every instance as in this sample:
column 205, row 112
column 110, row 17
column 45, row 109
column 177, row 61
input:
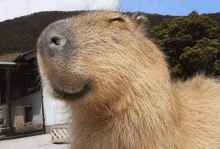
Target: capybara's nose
column 57, row 42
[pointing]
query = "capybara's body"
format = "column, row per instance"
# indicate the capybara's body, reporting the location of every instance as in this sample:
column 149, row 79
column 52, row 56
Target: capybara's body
column 119, row 88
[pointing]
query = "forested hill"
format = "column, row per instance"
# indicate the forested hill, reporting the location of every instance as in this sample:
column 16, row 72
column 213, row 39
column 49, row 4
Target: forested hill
column 21, row 34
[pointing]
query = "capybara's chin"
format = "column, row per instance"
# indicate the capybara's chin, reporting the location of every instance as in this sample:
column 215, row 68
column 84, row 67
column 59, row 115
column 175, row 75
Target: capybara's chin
column 72, row 95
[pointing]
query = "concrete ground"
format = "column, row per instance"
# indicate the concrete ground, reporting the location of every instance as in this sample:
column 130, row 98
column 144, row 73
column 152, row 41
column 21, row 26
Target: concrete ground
column 32, row 142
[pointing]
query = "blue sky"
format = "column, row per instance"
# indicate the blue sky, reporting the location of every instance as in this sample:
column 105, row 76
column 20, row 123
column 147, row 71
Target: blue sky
column 171, row 7
column 9, row 9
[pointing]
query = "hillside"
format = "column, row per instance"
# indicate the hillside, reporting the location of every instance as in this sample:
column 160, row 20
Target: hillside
column 21, row 34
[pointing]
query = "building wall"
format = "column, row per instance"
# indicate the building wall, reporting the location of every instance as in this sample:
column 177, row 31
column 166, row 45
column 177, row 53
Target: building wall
column 33, row 100
column 56, row 111
column 17, row 116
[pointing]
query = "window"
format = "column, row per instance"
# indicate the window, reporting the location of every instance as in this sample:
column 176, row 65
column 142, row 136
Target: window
column 28, row 114
column 2, row 95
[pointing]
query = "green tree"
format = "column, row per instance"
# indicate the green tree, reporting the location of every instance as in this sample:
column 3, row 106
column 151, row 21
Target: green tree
column 194, row 12
column 191, row 44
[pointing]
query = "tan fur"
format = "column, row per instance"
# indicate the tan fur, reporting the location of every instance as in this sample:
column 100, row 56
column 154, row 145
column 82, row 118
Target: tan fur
column 132, row 102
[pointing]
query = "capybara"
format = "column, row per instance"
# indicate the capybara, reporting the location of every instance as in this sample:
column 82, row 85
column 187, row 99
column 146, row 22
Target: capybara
column 119, row 87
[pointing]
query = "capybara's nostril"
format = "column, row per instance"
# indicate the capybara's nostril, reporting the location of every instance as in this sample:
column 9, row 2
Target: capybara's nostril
column 57, row 42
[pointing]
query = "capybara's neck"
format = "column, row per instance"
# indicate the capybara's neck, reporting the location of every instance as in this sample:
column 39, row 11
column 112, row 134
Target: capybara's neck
column 131, row 121
column 129, row 109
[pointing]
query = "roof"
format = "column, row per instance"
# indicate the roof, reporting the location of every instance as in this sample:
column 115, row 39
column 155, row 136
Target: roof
column 21, row 59
column 26, row 56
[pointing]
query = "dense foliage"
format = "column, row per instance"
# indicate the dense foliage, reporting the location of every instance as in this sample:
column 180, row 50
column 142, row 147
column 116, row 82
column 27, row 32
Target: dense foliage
column 191, row 44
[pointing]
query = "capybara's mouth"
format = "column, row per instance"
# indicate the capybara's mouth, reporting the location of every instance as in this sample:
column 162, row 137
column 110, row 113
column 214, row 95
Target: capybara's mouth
column 64, row 95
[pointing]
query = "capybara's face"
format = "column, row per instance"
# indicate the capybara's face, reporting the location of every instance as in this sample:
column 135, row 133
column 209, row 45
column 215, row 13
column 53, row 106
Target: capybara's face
column 98, row 56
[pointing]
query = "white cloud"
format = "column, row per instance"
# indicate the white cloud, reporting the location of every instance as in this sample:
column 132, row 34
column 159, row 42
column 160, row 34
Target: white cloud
column 10, row 9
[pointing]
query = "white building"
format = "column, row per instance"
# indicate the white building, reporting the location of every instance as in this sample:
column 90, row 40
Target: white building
column 28, row 103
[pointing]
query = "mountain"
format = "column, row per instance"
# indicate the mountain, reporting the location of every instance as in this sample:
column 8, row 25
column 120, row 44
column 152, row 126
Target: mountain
column 20, row 34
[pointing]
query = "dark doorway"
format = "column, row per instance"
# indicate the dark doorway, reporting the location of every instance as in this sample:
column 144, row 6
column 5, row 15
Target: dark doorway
column 28, row 114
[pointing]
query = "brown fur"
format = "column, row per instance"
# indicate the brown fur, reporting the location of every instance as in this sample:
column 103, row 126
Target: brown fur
column 131, row 102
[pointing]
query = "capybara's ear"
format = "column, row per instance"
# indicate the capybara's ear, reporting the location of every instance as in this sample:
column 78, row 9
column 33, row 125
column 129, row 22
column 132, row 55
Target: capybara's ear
column 141, row 20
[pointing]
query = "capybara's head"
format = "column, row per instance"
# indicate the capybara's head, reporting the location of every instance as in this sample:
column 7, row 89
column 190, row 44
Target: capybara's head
column 102, row 58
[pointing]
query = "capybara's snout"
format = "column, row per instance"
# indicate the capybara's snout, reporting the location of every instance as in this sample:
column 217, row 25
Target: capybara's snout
column 57, row 50
column 56, row 41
